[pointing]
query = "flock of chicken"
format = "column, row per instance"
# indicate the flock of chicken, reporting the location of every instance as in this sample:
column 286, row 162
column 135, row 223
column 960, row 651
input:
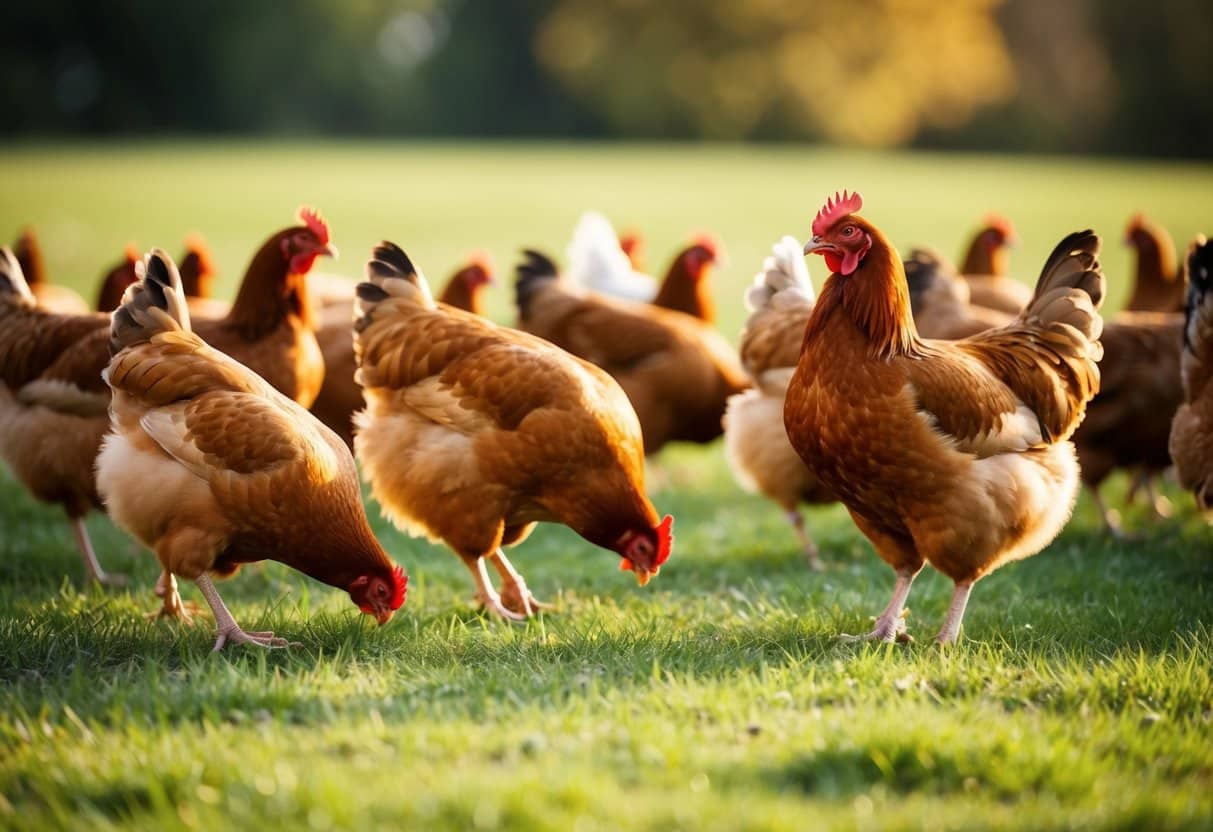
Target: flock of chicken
column 950, row 413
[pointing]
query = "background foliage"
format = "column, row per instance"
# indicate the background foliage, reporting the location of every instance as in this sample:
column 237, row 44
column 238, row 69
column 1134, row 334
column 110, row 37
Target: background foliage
column 1121, row 76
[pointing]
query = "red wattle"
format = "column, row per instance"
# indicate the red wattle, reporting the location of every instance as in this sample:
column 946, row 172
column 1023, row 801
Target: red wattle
column 833, row 262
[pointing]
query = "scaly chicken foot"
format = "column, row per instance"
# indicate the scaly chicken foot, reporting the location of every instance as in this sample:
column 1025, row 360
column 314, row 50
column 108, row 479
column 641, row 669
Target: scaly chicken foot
column 486, row 595
column 950, row 630
column 229, row 631
column 173, row 607
column 92, row 566
column 806, row 543
column 514, row 592
column 891, row 626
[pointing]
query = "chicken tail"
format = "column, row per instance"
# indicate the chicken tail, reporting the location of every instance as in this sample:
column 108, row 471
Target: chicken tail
column 531, row 275
column 390, row 273
column 155, row 304
column 12, row 279
column 783, row 270
column 1197, row 361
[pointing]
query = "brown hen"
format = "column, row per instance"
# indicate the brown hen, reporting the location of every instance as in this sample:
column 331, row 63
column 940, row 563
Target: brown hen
column 212, row 468
column 475, row 432
column 952, row 453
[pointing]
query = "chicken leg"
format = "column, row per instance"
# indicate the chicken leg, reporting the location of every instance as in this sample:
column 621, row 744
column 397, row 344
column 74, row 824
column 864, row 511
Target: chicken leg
column 91, row 565
column 514, row 593
column 1109, row 516
column 951, row 624
column 173, row 606
column 806, row 543
column 486, row 594
column 228, row 630
column 891, row 626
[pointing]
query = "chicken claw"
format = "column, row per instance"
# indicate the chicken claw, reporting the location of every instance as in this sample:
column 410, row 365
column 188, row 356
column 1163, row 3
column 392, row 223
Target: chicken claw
column 228, row 629
column 891, row 626
column 514, row 593
column 173, row 607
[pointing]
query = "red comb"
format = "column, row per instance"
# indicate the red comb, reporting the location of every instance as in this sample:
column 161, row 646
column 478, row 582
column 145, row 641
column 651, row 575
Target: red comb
column 310, row 217
column 629, row 241
column 709, row 242
column 836, row 207
column 132, row 253
column 1136, row 223
column 480, row 258
column 1000, row 224
column 400, row 587
column 665, row 539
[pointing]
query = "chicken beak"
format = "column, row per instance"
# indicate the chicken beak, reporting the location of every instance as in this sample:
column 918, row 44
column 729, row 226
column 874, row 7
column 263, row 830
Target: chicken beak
column 814, row 244
column 383, row 616
column 642, row 576
column 329, row 250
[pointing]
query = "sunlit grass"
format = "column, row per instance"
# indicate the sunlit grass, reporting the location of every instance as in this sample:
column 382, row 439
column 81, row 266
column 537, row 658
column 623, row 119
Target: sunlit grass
column 715, row 698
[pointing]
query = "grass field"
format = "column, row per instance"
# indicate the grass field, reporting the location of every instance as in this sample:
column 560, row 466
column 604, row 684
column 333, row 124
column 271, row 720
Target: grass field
column 717, row 697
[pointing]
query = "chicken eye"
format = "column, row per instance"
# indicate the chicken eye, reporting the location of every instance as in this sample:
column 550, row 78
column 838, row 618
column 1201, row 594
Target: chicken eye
column 849, row 231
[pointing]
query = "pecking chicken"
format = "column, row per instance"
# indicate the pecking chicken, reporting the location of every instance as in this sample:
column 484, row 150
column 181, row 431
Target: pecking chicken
column 340, row 395
column 1158, row 284
column 53, row 403
column 676, row 370
column 1192, row 431
column 269, row 327
column 985, row 268
column 212, row 468
column 1128, row 423
column 755, row 441
column 940, row 300
column 952, row 453
column 28, row 251
column 475, row 432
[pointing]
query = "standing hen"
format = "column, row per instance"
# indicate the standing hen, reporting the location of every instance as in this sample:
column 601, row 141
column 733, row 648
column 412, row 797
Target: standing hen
column 474, row 432
column 986, row 270
column 212, row 468
column 952, row 453
column 53, row 403
column 49, row 296
column 269, row 327
column 1158, row 284
column 755, row 440
column 1192, row 430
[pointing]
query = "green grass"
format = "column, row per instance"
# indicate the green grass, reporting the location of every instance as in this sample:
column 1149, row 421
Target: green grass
column 716, row 697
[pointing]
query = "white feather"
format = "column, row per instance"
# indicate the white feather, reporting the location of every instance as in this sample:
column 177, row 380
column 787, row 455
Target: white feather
column 597, row 263
column 784, row 277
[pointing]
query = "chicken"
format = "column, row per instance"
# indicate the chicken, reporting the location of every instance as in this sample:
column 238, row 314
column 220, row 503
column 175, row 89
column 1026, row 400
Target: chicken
column 686, row 287
column 940, row 300
column 115, row 281
column 952, row 453
column 755, row 440
column 598, row 261
column 475, row 432
column 211, row 468
column 1129, row 421
column 984, row 268
column 677, row 371
column 269, row 327
column 1158, row 284
column 49, row 296
column 198, row 271
column 340, row 396
column 53, row 404
column 1192, row 431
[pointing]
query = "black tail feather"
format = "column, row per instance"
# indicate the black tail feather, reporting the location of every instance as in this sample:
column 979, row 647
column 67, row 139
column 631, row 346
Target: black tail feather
column 1200, row 282
column 155, row 304
column 530, row 275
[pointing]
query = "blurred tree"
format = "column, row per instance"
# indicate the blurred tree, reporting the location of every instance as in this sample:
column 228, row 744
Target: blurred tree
column 871, row 72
